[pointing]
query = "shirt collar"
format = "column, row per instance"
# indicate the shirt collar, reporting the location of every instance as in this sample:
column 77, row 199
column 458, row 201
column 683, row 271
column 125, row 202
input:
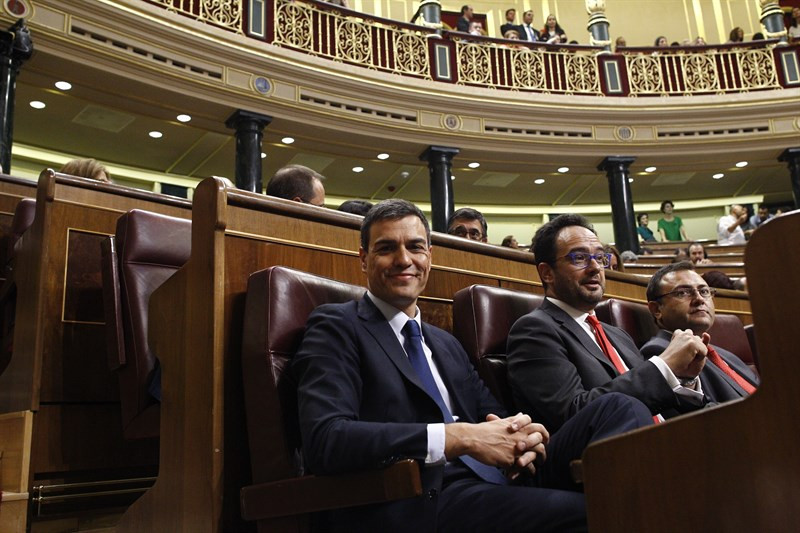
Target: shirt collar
column 576, row 314
column 396, row 318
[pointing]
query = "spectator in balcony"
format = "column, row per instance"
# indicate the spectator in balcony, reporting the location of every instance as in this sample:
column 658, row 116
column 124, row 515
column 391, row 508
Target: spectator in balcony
column 671, row 227
column 355, row 207
column 760, row 217
column 758, row 36
column 465, row 19
column 729, row 228
column 86, row 168
column 794, row 27
column 645, row 233
column 620, row 43
column 510, row 242
column 512, row 35
column 468, row 223
column 476, row 28
column 527, row 33
column 736, row 36
column 511, row 14
column 299, row 184
column 699, row 41
column 661, row 42
column 552, row 33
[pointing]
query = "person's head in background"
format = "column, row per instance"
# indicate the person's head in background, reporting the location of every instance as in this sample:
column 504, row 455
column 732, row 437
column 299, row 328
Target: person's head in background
column 616, row 260
column 299, row 184
column 680, row 255
column 86, row 168
column 356, row 207
column 510, row 242
column 468, row 223
column 628, row 257
column 620, row 43
column 661, row 42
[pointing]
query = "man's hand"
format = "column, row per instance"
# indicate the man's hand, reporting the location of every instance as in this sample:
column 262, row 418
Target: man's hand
column 686, row 353
column 514, row 443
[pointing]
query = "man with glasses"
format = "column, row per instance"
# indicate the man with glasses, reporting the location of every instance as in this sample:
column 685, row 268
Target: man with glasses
column 680, row 300
column 299, row 184
column 560, row 357
column 468, row 223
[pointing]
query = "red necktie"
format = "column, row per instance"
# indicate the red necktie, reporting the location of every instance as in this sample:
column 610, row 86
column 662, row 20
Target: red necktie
column 609, row 350
column 714, row 357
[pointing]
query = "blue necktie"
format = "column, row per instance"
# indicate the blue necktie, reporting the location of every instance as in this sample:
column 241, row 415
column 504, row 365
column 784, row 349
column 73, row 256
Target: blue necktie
column 416, row 356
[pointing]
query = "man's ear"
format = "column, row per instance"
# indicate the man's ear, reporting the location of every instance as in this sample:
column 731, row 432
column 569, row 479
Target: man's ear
column 655, row 310
column 362, row 255
column 298, row 199
column 546, row 273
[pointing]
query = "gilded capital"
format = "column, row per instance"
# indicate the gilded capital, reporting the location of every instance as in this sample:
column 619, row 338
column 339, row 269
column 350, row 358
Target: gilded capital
column 764, row 3
column 597, row 6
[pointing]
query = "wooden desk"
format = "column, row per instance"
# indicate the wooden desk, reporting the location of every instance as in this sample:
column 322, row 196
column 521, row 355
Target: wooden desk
column 730, row 468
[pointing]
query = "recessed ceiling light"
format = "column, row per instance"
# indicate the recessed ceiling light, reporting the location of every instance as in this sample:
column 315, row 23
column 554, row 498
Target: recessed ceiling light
column 718, row 175
column 452, row 177
column 538, row 181
column 287, row 140
column 630, row 180
column 358, row 169
column 741, row 164
column 650, row 169
column 563, row 170
column 474, row 164
column 263, row 155
column 63, row 85
column 36, row 104
column 383, row 156
column 183, row 118
column 156, row 134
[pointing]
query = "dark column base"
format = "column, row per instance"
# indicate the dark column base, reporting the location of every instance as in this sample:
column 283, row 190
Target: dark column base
column 249, row 128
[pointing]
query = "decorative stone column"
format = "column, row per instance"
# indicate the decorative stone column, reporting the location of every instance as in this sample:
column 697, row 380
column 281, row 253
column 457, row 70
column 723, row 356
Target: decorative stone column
column 439, row 160
column 622, row 216
column 16, row 47
column 791, row 156
column 598, row 24
column 772, row 20
column 249, row 128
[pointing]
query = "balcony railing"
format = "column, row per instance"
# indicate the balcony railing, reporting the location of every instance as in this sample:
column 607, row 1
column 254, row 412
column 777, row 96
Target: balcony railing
column 347, row 36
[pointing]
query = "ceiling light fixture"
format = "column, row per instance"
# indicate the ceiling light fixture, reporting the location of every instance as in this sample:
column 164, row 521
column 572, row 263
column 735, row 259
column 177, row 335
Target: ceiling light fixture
column 563, row 170
column 263, row 155
column 36, row 104
column 63, row 85
column 650, row 169
column 156, row 134
column 630, row 180
column 538, row 181
column 358, row 169
column 718, row 175
column 452, row 177
column 741, row 164
column 183, row 118
column 474, row 164
column 383, row 156
column 287, row 140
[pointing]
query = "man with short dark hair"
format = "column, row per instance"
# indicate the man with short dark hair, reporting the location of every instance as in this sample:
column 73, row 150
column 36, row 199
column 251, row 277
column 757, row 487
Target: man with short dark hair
column 464, row 19
column 468, row 223
column 299, row 184
column 679, row 299
column 356, row 207
column 511, row 14
column 376, row 384
column 698, row 255
column 528, row 33
column 560, row 357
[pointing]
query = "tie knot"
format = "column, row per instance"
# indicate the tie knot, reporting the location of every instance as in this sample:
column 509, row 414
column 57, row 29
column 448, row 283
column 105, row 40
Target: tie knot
column 411, row 329
column 592, row 320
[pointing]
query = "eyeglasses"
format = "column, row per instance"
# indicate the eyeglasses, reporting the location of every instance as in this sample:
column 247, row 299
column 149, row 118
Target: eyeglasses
column 685, row 293
column 461, row 231
column 582, row 259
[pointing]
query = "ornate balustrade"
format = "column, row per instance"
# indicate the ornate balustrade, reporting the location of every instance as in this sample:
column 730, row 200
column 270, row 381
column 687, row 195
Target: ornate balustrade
column 347, row 36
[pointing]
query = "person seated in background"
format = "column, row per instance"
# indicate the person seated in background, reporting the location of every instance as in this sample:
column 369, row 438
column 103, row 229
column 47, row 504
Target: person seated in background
column 526, row 29
column 476, row 28
column 86, row 168
column 718, row 280
column 628, row 257
column 561, row 358
column 729, row 227
column 671, row 227
column 615, row 259
column 699, row 41
column 681, row 302
column 681, row 254
column 511, row 14
column 552, row 33
column 758, row 36
column 645, row 233
column 736, row 36
column 464, row 19
column 510, row 242
column 698, row 255
column 620, row 43
column 299, row 184
column 376, row 384
column 468, row 223
column 794, row 27
column 758, row 218
column 356, row 207
column 661, row 42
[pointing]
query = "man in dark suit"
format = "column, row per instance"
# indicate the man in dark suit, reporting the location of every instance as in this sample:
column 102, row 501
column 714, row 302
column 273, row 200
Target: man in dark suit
column 526, row 29
column 680, row 299
column 372, row 390
column 559, row 358
column 466, row 17
column 511, row 14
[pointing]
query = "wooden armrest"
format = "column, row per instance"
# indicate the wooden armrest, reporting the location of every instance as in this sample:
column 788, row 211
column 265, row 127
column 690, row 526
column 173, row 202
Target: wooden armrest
column 310, row 494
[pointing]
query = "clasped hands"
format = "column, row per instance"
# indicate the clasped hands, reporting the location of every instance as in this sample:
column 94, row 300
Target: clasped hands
column 514, row 443
column 686, row 353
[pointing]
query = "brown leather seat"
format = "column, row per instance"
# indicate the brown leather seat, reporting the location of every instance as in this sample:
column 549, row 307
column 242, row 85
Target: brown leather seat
column 634, row 318
column 729, row 333
column 147, row 249
column 22, row 220
column 482, row 318
column 279, row 301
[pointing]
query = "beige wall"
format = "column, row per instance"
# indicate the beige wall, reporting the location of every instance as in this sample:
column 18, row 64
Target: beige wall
column 640, row 21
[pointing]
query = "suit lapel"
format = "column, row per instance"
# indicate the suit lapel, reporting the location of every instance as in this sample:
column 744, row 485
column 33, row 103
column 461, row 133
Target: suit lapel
column 569, row 324
column 443, row 364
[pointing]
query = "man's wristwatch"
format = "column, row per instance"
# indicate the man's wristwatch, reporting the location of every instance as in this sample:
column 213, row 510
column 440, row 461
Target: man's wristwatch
column 689, row 383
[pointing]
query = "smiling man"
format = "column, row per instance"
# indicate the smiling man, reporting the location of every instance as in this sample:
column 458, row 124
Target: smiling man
column 560, row 357
column 376, row 384
column 680, row 299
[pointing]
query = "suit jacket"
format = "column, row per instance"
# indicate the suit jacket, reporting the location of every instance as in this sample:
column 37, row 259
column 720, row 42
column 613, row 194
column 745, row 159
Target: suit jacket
column 362, row 406
column 523, row 36
column 718, row 387
column 463, row 24
column 555, row 369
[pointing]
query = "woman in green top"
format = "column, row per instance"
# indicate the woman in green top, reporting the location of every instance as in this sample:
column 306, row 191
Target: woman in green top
column 670, row 227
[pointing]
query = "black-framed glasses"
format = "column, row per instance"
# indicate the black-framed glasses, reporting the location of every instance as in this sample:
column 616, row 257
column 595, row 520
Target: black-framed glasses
column 685, row 293
column 464, row 233
column 582, row 259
